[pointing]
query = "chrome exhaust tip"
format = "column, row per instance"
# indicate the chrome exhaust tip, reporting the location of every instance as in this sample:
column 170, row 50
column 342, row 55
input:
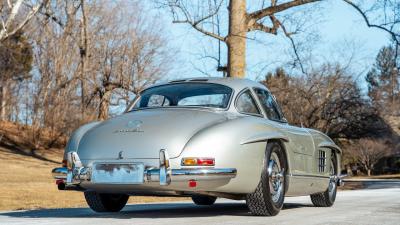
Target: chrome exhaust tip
column 340, row 182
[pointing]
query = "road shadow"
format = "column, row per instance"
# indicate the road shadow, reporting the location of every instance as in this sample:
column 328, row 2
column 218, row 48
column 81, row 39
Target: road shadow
column 164, row 210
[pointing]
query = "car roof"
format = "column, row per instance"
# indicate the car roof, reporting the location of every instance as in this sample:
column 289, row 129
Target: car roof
column 236, row 84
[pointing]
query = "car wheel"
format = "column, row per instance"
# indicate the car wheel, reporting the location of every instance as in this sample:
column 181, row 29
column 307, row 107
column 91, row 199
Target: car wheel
column 267, row 200
column 327, row 198
column 203, row 199
column 105, row 202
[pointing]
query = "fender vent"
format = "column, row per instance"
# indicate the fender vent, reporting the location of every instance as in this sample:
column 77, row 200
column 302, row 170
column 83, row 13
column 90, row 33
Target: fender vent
column 321, row 161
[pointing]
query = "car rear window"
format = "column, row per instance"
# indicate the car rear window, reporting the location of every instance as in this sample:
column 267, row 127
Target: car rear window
column 185, row 95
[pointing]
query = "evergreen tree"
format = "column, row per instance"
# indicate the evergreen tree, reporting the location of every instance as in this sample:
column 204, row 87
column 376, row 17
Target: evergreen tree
column 383, row 81
column 16, row 57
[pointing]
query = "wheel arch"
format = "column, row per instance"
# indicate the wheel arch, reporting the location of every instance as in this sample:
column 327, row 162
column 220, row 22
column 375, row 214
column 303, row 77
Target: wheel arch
column 270, row 136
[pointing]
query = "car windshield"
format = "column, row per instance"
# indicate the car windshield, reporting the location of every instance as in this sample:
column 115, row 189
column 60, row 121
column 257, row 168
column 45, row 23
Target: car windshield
column 185, row 95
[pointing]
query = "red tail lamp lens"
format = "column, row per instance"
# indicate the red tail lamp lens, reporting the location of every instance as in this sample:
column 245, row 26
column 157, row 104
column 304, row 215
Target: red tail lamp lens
column 64, row 163
column 205, row 162
column 192, row 183
column 198, row 162
column 59, row 181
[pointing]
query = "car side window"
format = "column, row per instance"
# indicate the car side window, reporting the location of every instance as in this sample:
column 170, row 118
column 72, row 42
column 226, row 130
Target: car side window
column 157, row 101
column 245, row 103
column 269, row 105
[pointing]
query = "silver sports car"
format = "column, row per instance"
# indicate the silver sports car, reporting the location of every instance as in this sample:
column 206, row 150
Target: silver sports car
column 203, row 138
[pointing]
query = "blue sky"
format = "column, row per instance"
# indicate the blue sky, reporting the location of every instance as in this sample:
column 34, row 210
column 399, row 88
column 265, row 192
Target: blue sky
column 340, row 29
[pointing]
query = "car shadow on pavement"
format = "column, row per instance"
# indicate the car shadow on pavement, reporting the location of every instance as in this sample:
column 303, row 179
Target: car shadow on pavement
column 164, row 210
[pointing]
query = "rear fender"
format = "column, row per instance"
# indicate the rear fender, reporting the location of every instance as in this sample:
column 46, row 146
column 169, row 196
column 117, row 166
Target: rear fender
column 73, row 142
column 238, row 143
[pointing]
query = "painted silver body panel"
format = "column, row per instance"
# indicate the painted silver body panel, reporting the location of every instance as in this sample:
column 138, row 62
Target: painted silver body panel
column 235, row 140
column 161, row 128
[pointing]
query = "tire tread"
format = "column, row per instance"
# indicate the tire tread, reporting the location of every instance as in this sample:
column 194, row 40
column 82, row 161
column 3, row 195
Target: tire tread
column 100, row 203
column 259, row 202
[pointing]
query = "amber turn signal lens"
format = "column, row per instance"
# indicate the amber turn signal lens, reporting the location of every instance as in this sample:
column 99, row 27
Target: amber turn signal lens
column 198, row 162
column 189, row 162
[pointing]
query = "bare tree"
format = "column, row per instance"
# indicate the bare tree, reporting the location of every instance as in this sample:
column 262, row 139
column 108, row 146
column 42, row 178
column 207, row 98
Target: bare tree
column 271, row 18
column 128, row 51
column 327, row 99
column 112, row 54
column 201, row 13
column 369, row 151
column 15, row 15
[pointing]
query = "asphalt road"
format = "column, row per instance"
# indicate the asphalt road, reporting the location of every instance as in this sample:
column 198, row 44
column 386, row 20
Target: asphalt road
column 368, row 206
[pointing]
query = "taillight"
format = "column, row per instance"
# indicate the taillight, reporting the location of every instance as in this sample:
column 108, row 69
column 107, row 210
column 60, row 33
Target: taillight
column 64, row 163
column 198, row 161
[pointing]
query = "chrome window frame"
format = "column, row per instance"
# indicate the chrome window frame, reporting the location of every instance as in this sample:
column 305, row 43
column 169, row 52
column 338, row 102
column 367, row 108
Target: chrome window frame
column 280, row 113
column 138, row 96
column 255, row 101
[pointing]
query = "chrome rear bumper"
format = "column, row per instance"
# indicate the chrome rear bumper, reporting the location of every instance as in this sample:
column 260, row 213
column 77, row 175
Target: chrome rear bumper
column 67, row 178
column 153, row 175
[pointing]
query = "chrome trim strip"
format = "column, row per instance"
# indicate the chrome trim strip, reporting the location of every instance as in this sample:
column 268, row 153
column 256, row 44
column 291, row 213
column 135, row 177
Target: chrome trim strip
column 193, row 174
column 309, row 176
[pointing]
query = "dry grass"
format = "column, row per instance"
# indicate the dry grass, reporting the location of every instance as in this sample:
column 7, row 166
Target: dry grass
column 26, row 183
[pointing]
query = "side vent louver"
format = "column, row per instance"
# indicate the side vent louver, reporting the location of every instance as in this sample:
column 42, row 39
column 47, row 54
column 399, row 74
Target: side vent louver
column 321, row 161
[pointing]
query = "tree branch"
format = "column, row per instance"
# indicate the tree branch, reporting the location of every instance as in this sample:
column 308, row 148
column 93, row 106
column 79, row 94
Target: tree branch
column 289, row 35
column 259, row 14
column 4, row 33
column 195, row 26
column 195, row 23
column 48, row 15
column 259, row 26
column 369, row 24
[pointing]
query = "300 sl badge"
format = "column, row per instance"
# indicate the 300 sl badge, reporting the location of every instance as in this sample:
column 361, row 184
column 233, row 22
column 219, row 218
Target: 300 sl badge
column 133, row 125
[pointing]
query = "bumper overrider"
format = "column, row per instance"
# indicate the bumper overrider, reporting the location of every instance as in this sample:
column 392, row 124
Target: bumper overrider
column 69, row 178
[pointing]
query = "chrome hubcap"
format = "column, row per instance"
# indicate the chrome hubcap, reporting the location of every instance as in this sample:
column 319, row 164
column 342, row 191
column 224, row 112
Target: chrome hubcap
column 276, row 177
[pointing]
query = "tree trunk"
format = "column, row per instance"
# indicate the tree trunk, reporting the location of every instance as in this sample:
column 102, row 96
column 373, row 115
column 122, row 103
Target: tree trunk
column 236, row 39
column 369, row 172
column 349, row 172
column 84, row 56
column 3, row 96
column 104, row 105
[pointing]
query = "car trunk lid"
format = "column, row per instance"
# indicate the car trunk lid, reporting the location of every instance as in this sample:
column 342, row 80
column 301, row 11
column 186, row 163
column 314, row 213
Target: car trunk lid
column 142, row 133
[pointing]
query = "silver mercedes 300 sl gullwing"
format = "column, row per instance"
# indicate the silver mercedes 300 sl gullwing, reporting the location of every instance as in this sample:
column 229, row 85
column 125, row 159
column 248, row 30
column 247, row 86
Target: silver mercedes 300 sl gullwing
column 203, row 138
